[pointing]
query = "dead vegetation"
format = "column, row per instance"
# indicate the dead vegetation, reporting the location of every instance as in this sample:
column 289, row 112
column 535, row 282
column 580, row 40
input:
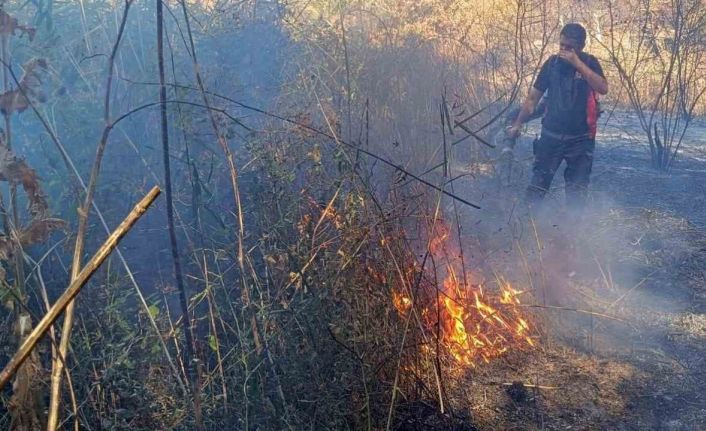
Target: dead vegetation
column 336, row 274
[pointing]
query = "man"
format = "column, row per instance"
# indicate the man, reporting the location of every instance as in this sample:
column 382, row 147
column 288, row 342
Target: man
column 572, row 80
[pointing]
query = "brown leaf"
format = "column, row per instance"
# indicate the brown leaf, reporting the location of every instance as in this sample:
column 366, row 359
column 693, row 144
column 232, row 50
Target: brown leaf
column 39, row 230
column 8, row 25
column 30, row 88
column 13, row 101
column 14, row 170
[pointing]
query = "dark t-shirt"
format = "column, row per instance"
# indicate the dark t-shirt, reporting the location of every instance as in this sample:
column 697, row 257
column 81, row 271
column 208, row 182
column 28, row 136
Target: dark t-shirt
column 571, row 102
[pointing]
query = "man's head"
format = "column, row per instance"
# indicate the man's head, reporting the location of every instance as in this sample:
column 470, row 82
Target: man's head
column 572, row 37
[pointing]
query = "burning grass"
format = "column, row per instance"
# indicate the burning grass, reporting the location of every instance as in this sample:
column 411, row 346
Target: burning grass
column 474, row 323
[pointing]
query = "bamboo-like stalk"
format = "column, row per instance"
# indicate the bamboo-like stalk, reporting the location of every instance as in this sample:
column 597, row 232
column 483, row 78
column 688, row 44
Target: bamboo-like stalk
column 76, row 285
column 52, row 332
column 57, row 366
column 223, row 143
column 197, row 223
column 189, row 348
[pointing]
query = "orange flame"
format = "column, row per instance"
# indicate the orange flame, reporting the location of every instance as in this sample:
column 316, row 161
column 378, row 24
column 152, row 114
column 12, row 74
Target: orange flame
column 402, row 302
column 477, row 328
column 474, row 326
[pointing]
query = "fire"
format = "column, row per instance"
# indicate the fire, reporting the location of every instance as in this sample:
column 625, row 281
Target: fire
column 455, row 332
column 474, row 326
column 402, row 302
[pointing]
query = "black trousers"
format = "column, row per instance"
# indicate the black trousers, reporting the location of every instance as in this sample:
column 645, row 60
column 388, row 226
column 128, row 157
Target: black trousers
column 549, row 151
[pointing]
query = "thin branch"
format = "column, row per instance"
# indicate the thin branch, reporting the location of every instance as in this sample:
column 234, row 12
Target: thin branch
column 57, row 366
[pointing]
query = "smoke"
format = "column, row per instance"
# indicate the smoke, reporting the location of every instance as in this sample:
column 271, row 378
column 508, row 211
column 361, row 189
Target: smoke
column 602, row 282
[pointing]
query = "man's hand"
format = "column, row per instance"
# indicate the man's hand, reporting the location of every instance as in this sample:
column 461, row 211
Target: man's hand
column 597, row 82
column 513, row 131
column 570, row 56
column 528, row 106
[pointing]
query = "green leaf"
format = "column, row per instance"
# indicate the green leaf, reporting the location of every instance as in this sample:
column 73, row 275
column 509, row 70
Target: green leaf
column 154, row 311
column 212, row 342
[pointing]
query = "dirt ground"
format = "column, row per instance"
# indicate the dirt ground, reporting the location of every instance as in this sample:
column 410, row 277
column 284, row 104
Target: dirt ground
column 623, row 332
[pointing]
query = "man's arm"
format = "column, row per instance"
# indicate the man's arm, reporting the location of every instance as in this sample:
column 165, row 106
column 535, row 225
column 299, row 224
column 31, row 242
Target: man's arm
column 528, row 107
column 598, row 83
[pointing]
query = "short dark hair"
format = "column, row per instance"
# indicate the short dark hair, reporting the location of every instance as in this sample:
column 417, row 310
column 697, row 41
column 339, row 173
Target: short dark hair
column 576, row 32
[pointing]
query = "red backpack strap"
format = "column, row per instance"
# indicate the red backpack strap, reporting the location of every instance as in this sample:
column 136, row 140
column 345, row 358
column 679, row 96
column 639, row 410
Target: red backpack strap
column 592, row 113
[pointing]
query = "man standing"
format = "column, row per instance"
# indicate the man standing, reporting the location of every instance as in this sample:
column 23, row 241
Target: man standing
column 572, row 80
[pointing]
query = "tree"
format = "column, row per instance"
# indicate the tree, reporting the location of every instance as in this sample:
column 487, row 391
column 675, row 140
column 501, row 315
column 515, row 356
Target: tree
column 660, row 66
